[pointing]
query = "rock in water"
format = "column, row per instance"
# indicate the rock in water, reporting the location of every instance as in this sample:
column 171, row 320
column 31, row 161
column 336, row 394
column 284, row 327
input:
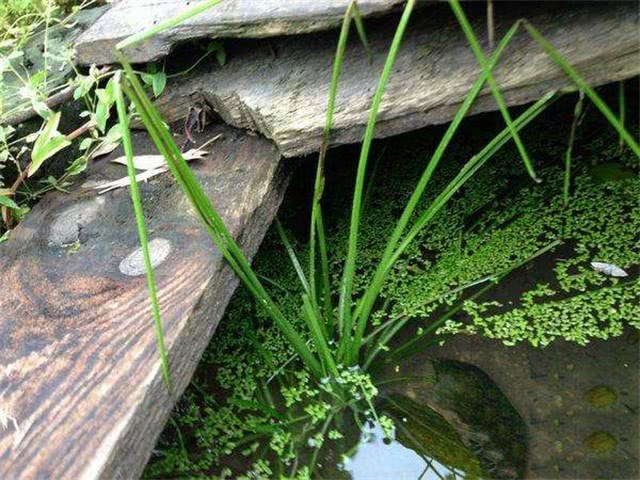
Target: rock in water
column 480, row 417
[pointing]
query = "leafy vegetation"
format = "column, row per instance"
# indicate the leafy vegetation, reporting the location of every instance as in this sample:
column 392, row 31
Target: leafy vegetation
column 312, row 357
column 338, row 345
column 25, row 154
column 500, row 219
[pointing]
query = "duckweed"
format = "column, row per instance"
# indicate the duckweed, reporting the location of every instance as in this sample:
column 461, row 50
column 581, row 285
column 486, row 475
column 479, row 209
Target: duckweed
column 499, row 221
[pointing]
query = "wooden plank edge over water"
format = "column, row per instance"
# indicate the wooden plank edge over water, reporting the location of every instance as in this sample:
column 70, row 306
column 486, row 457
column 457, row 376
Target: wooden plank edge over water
column 229, row 18
column 280, row 87
column 81, row 388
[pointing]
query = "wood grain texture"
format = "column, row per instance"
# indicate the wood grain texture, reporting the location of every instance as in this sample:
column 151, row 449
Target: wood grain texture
column 230, row 18
column 79, row 370
column 280, row 88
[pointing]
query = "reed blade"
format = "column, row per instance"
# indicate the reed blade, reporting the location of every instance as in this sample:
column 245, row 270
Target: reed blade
column 140, row 224
column 482, row 60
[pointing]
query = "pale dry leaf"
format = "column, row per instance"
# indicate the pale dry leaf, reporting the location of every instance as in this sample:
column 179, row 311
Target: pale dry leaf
column 124, row 181
column 104, row 148
column 608, row 269
column 152, row 162
column 151, row 165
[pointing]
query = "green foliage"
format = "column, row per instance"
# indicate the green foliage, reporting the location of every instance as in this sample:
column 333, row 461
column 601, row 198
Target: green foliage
column 48, row 143
column 18, row 18
column 332, row 356
column 497, row 221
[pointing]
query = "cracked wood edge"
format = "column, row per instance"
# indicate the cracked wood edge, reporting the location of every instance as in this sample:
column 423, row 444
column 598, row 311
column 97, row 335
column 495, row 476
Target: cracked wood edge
column 283, row 95
column 230, row 18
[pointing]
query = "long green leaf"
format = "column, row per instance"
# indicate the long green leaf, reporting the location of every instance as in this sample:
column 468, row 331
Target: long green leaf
column 482, row 60
column 215, row 226
column 465, row 173
column 344, row 307
column 142, row 229
column 317, row 224
column 576, row 78
column 320, row 341
column 373, row 289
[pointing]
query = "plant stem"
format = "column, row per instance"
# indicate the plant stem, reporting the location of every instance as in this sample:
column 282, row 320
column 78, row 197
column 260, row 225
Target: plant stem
column 142, row 230
column 577, row 113
column 344, row 308
column 317, row 224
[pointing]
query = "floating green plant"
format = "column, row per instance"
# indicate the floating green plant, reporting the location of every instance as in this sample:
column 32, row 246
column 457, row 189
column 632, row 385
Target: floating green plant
column 334, row 348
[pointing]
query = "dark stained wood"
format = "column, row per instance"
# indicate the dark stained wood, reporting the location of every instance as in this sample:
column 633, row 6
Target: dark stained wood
column 280, row 88
column 230, row 18
column 79, row 370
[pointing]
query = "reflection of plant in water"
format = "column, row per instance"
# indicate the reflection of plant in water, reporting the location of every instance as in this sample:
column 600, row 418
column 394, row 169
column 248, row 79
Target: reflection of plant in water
column 332, row 344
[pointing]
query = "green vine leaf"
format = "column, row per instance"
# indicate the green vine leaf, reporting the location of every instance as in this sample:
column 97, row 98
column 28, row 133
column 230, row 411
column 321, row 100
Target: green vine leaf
column 48, row 143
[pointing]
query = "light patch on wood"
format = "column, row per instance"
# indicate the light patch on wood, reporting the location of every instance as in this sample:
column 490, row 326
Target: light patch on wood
column 66, row 226
column 133, row 264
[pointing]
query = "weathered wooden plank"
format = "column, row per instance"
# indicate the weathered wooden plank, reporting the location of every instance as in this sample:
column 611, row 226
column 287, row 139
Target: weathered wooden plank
column 79, row 370
column 280, row 89
column 230, row 18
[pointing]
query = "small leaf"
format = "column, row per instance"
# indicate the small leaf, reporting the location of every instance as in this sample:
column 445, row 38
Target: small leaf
column 49, row 142
column 152, row 162
column 159, row 82
column 106, row 99
column 220, row 52
column 78, row 166
column 85, row 143
column 7, row 202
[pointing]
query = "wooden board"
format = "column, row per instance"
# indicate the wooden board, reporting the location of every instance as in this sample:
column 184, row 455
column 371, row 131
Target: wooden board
column 80, row 380
column 279, row 88
column 230, row 18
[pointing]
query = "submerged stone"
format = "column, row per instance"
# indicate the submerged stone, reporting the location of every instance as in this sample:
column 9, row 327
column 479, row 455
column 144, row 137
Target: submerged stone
column 479, row 414
column 423, row 429
column 601, row 442
column 600, row 396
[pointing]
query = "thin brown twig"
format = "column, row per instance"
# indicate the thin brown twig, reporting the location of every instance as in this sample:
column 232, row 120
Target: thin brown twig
column 490, row 25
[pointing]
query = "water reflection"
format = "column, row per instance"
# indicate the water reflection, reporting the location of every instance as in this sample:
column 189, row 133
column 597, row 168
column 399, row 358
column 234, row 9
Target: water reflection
column 380, row 458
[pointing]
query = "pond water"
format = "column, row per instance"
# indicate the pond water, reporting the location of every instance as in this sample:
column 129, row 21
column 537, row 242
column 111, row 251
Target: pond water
column 531, row 376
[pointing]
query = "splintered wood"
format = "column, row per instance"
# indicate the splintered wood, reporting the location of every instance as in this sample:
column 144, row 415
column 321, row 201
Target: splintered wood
column 280, row 88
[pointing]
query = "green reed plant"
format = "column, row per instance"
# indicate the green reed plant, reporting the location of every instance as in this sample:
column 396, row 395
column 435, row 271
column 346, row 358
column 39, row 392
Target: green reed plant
column 337, row 333
column 568, row 156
